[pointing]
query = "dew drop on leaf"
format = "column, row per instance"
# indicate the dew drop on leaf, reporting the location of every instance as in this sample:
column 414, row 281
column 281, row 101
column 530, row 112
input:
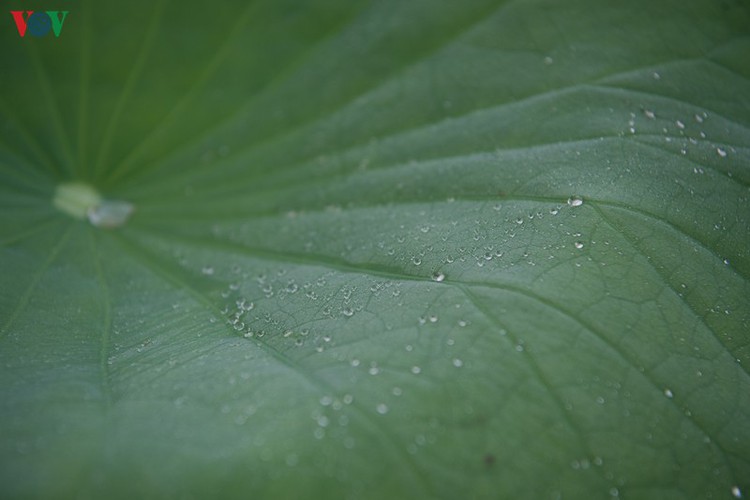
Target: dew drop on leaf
column 575, row 201
column 110, row 213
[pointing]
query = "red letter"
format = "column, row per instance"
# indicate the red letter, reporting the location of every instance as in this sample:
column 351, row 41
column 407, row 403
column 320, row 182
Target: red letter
column 20, row 21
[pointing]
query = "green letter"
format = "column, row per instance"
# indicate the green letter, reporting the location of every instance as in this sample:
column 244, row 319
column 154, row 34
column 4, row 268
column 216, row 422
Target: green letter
column 57, row 22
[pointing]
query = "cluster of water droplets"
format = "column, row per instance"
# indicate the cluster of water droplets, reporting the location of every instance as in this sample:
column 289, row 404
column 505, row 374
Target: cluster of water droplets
column 687, row 132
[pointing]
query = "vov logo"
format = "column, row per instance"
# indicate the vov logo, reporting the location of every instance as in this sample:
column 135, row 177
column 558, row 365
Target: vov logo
column 38, row 23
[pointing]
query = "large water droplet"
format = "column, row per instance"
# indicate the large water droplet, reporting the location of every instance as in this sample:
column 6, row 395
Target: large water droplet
column 575, row 201
column 110, row 213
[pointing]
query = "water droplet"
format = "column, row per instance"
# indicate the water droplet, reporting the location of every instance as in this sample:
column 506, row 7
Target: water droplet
column 416, row 261
column 736, row 493
column 680, row 125
column 433, row 318
column 656, row 75
column 600, row 400
column 721, row 152
column 554, row 211
column 326, row 400
column 668, row 393
column 439, row 277
column 382, row 408
column 348, row 399
column 348, row 312
column 548, row 60
column 110, row 213
column 416, row 370
column 578, row 245
column 458, row 363
column 575, row 201
column 397, row 391
column 649, row 114
column 208, row 270
column 614, row 492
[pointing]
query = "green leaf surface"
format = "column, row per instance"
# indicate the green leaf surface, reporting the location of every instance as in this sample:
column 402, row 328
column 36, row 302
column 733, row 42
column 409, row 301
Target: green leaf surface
column 393, row 249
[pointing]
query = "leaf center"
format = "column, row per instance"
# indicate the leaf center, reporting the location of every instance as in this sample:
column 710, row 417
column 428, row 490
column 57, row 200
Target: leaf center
column 82, row 201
